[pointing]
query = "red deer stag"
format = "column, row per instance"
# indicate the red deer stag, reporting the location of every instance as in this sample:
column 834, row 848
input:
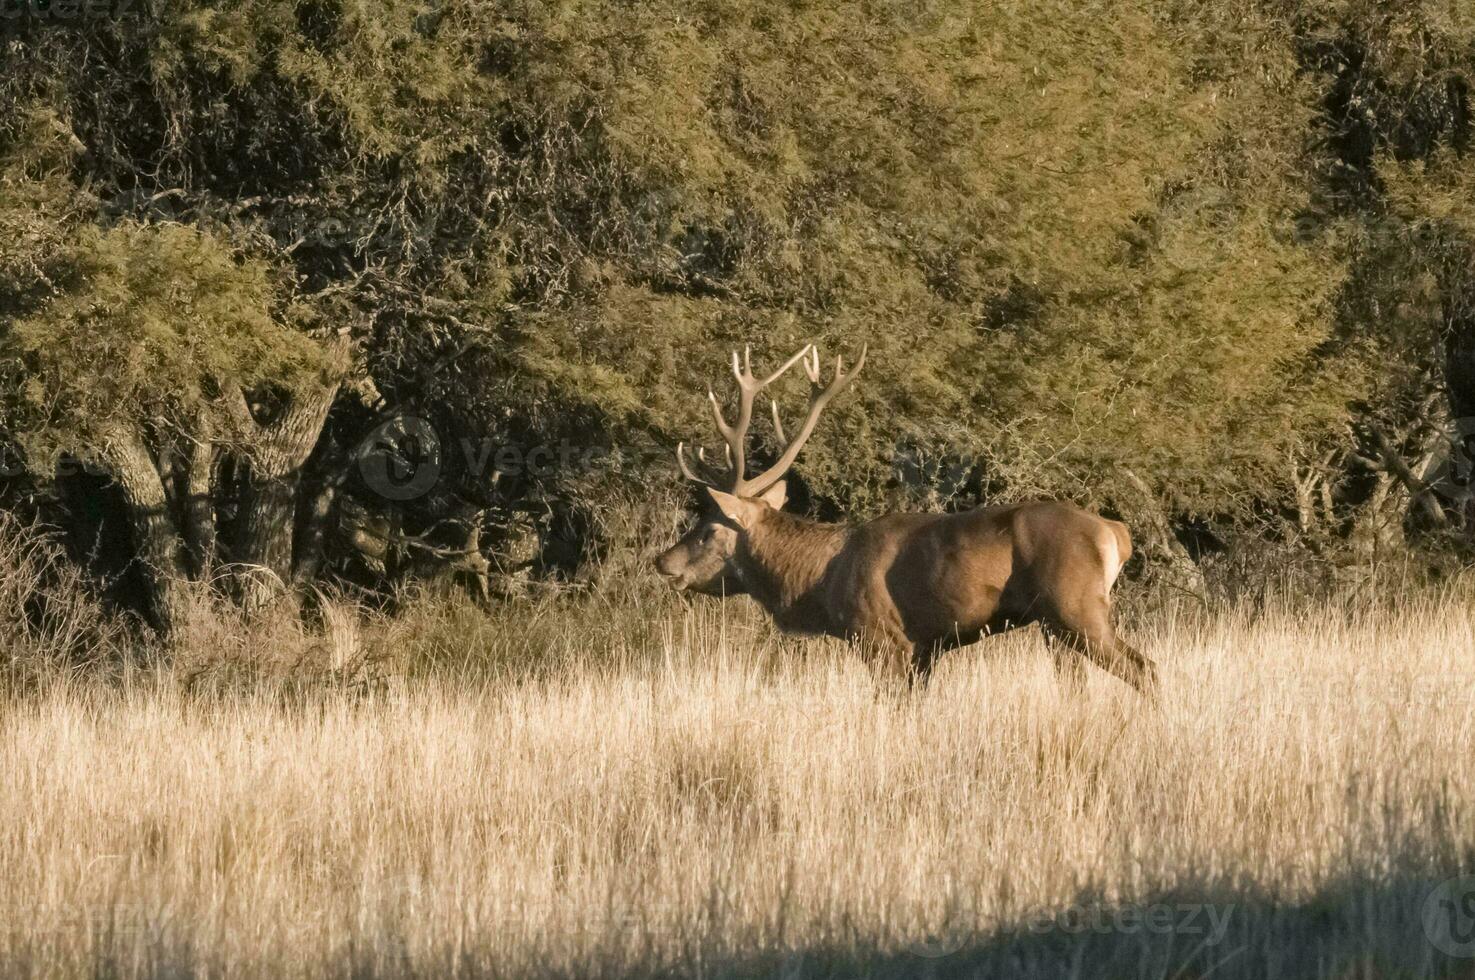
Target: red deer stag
column 914, row 585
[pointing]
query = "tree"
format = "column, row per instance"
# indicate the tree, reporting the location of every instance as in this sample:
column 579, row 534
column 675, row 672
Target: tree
column 1122, row 253
column 159, row 357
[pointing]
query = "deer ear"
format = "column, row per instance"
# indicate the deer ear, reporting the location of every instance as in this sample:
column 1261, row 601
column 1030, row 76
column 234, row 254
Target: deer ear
column 741, row 512
column 776, row 496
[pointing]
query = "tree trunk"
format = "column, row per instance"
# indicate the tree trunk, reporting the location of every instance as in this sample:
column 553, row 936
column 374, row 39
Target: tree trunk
column 199, row 509
column 264, row 549
column 1377, row 530
column 268, row 515
column 156, row 538
column 317, row 515
column 1164, row 552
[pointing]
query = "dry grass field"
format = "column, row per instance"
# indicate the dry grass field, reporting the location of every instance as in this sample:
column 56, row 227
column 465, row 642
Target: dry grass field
column 704, row 799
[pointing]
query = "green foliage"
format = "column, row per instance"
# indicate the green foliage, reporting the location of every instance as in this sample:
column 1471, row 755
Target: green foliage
column 38, row 204
column 1180, row 238
column 1067, row 236
column 159, row 325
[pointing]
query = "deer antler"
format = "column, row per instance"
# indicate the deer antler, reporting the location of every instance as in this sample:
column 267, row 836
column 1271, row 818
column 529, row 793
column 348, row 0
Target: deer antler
column 819, row 397
column 735, row 435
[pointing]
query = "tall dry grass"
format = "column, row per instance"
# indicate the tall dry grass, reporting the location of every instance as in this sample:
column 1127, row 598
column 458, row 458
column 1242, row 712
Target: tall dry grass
column 673, row 791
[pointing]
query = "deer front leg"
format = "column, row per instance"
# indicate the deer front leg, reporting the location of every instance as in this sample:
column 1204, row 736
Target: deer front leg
column 891, row 657
column 1101, row 646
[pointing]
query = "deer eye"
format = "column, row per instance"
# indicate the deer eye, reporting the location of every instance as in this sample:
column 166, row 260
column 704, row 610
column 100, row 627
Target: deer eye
column 709, row 533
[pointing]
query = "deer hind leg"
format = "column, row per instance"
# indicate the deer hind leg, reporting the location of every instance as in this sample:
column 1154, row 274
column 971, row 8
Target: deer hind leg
column 1070, row 662
column 909, row 663
column 924, row 655
column 1089, row 631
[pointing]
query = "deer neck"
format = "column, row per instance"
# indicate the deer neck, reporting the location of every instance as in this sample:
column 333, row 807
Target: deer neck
column 782, row 559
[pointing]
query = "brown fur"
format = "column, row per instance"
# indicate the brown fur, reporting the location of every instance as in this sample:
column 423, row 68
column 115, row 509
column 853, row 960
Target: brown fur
column 915, row 585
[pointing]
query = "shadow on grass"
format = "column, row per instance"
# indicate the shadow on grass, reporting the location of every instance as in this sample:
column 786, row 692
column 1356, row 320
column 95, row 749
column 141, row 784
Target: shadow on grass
column 1378, row 930
column 1412, row 927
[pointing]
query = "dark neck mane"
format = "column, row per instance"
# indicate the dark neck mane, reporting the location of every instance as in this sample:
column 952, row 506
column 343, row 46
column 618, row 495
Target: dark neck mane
column 783, row 558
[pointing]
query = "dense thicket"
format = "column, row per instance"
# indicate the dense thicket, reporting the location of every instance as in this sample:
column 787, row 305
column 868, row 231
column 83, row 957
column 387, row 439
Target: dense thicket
column 1205, row 264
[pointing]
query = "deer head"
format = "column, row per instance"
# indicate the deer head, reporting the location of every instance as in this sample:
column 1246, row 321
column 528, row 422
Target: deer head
column 702, row 561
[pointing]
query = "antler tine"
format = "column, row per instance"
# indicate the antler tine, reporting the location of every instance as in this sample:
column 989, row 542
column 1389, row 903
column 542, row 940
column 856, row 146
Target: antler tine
column 686, row 469
column 819, row 397
column 736, row 434
column 811, row 367
column 778, row 424
column 784, row 368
